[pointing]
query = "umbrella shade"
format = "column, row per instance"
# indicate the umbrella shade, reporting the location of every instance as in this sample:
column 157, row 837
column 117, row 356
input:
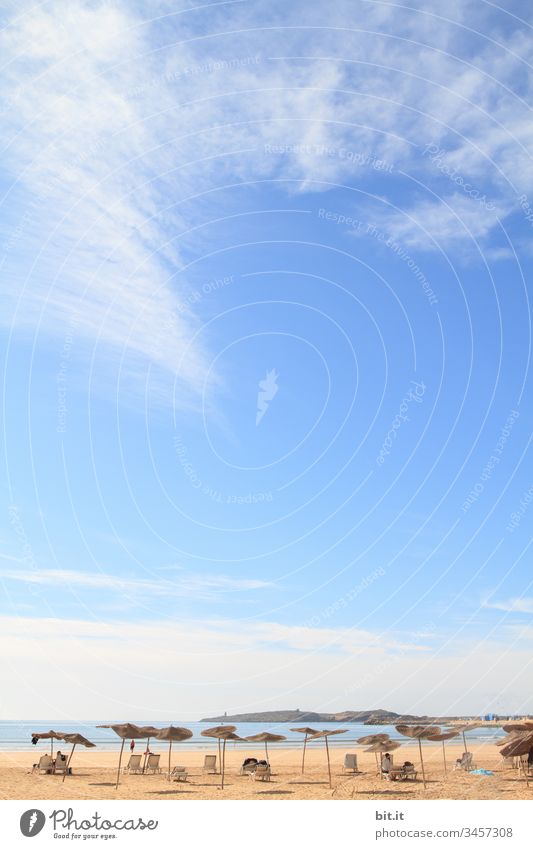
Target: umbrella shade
column 266, row 737
column 467, row 726
column 128, row 731
column 512, row 727
column 47, row 735
column 419, row 732
column 325, row 735
column 370, row 739
column 384, row 746
column 174, row 734
column 441, row 738
column 519, row 746
column 215, row 732
column 76, row 740
column 307, row 732
column 224, row 735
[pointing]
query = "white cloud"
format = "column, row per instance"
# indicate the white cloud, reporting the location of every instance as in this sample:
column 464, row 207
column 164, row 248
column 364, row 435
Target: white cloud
column 512, row 605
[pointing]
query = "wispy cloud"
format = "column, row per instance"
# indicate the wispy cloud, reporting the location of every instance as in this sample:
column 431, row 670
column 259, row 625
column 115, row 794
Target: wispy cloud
column 512, row 605
column 182, row 585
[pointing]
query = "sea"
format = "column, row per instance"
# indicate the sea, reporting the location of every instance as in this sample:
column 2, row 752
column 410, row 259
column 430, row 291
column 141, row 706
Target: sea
column 15, row 735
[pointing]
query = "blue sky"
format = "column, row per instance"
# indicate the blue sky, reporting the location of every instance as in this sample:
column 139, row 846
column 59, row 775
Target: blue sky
column 321, row 216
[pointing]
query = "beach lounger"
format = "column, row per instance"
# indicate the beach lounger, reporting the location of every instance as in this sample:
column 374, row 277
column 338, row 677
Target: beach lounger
column 45, row 765
column 466, row 762
column 179, row 773
column 402, row 773
column 152, row 764
column 350, row 763
column 248, row 766
column 210, row 764
column 261, row 773
column 60, row 765
column 134, row 764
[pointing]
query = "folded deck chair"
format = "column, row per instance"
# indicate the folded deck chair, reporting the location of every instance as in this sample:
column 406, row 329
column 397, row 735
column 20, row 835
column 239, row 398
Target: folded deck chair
column 261, row 772
column 152, row 763
column 134, row 764
column 210, row 764
column 350, row 763
column 45, row 765
column 179, row 773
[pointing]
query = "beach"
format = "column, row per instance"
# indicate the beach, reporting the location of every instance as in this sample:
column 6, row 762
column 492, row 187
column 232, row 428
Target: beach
column 94, row 776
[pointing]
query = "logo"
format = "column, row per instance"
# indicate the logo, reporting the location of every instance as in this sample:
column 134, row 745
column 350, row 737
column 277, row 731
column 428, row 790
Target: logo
column 32, row 822
column 267, row 389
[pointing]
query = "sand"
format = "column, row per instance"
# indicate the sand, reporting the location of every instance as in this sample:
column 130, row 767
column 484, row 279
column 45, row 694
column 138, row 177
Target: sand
column 95, row 773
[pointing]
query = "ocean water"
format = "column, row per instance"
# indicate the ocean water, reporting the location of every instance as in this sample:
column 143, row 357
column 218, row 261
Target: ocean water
column 16, row 735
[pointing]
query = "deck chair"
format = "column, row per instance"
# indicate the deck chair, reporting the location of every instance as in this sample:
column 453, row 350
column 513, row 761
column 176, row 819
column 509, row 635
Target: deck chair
column 152, row 764
column 45, row 765
column 179, row 773
column 261, row 773
column 60, row 765
column 134, row 764
column 525, row 766
column 350, row 763
column 466, row 762
column 210, row 764
column 248, row 766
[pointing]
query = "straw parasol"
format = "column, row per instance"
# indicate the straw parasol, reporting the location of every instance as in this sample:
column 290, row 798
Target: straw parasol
column 266, row 737
column 371, row 740
column 224, row 734
column 468, row 726
column 128, row 731
column 440, row 738
column 419, row 732
column 522, row 744
column 307, row 732
column 381, row 746
column 150, row 731
column 215, row 732
column 47, row 735
column 174, row 734
column 325, row 735
column 76, row 740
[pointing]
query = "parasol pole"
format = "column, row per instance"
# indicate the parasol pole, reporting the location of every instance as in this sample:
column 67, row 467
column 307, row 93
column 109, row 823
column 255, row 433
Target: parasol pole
column 219, row 755
column 266, row 751
column 327, row 754
column 464, row 739
column 444, row 758
column 169, row 757
column 146, row 754
column 223, row 765
column 120, row 761
column 422, row 762
column 68, row 762
column 303, row 756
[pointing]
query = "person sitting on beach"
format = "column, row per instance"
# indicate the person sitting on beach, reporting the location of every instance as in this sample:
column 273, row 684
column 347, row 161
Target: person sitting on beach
column 386, row 763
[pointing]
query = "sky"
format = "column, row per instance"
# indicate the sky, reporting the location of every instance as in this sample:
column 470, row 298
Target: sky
column 266, row 343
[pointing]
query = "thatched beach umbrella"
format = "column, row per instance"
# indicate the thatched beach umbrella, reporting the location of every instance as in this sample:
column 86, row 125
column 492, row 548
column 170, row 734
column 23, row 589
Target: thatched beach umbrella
column 371, row 740
column 150, row 731
column 468, row 726
column 174, row 734
column 440, row 738
column 266, row 737
column 381, row 746
column 76, row 740
column 47, row 735
column 307, row 732
column 419, row 732
column 215, row 732
column 127, row 731
column 325, row 735
column 521, row 745
column 224, row 735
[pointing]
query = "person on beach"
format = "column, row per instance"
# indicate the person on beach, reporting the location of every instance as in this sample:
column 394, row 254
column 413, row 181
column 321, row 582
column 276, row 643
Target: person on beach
column 386, row 763
column 132, row 745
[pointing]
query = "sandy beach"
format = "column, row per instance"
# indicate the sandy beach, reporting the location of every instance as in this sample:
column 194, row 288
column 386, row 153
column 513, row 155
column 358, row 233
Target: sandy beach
column 95, row 772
